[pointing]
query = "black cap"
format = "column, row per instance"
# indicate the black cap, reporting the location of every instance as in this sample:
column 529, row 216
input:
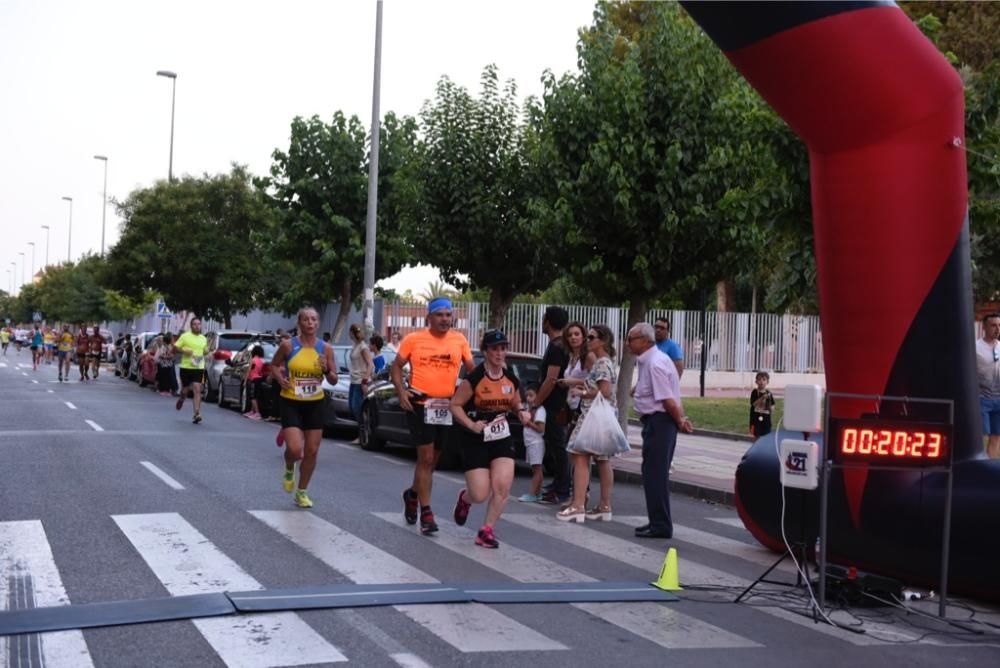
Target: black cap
column 493, row 337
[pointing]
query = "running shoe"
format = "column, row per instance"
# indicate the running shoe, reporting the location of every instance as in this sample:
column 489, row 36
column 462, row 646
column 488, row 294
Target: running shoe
column 197, row 418
column 462, row 508
column 279, row 440
column 302, row 499
column 180, row 402
column 410, row 506
column 427, row 523
column 288, row 480
column 485, row 538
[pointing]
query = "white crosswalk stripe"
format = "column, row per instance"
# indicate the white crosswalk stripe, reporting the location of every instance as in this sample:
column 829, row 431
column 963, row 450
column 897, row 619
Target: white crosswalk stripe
column 657, row 623
column 187, row 563
column 26, row 558
column 466, row 627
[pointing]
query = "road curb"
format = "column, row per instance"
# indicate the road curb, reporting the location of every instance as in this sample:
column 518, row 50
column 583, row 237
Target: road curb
column 694, row 490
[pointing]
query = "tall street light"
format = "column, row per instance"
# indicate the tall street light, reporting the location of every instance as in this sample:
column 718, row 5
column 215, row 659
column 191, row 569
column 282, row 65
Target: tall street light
column 32, row 244
column 22, row 267
column 46, row 228
column 370, row 222
column 104, row 202
column 69, row 235
column 13, row 277
column 10, row 282
column 173, row 101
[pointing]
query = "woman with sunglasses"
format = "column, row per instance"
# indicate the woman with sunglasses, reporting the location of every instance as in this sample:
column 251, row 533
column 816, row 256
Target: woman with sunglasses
column 602, row 378
column 484, row 404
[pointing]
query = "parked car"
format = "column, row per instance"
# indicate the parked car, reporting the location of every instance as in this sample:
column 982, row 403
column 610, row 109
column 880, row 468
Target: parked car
column 337, row 410
column 234, row 389
column 382, row 419
column 222, row 346
column 140, row 343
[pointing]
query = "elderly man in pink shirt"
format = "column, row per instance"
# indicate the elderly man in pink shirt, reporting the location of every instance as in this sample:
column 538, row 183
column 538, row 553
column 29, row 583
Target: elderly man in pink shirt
column 657, row 399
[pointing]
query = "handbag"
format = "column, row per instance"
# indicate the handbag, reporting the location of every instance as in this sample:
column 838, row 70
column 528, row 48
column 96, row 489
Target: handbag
column 599, row 433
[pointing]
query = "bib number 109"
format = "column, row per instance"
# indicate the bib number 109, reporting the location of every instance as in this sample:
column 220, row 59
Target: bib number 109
column 437, row 412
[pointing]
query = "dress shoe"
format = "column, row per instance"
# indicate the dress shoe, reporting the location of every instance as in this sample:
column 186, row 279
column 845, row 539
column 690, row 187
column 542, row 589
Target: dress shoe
column 646, row 532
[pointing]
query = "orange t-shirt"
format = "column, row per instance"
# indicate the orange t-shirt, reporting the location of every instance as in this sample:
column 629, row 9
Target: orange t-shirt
column 435, row 361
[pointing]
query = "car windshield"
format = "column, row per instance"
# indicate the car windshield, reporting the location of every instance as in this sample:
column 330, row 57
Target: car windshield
column 342, row 355
column 528, row 370
column 234, row 342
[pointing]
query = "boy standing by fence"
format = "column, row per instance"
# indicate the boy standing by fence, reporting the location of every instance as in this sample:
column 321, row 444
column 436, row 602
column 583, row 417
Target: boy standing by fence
column 761, row 403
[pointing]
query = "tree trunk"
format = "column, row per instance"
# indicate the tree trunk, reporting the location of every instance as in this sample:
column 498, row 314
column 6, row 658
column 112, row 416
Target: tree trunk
column 499, row 305
column 638, row 307
column 345, row 310
column 227, row 319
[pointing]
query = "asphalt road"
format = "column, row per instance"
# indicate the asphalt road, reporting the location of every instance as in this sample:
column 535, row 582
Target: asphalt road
column 107, row 494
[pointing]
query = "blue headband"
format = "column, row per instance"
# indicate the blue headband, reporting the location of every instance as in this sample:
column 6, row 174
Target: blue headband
column 438, row 304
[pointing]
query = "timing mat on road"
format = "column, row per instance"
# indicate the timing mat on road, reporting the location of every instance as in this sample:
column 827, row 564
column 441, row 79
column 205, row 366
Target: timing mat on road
column 91, row 615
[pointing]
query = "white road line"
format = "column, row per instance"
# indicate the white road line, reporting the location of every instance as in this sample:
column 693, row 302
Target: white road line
column 651, row 560
column 728, row 521
column 187, row 563
column 34, row 381
column 343, row 446
column 468, row 627
column 70, row 405
column 390, row 460
column 94, row 425
column 25, row 554
column 451, row 478
column 757, row 554
column 159, row 473
column 23, row 373
column 51, row 391
column 407, row 660
column 3, row 365
column 657, row 623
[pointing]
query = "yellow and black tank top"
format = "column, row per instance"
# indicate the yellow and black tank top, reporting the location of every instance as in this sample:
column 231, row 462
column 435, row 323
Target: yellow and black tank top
column 304, row 372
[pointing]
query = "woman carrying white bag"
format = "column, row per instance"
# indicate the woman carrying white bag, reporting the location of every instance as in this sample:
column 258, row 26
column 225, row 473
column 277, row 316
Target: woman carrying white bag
column 597, row 433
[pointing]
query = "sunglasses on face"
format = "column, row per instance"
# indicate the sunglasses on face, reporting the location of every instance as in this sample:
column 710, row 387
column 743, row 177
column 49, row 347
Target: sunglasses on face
column 591, row 337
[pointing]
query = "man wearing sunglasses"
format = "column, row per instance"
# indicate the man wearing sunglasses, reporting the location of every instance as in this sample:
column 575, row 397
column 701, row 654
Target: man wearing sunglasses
column 988, row 374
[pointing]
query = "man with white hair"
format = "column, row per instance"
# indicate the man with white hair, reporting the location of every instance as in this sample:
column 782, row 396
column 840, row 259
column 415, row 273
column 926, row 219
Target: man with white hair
column 657, row 397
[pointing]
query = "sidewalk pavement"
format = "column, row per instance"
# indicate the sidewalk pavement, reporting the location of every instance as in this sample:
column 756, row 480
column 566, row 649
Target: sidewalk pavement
column 704, row 464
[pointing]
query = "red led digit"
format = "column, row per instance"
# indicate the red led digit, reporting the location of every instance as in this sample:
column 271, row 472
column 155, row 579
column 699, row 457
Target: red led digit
column 884, row 439
column 899, row 439
column 865, row 444
column 934, row 446
column 919, row 438
column 849, row 442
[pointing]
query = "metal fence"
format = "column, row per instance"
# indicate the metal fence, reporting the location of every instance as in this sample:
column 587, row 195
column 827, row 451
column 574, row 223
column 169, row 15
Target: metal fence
column 735, row 341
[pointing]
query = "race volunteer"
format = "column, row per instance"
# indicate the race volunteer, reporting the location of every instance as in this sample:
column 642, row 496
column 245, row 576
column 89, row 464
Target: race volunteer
column 299, row 366
column 191, row 346
column 484, row 404
column 435, row 356
column 65, row 352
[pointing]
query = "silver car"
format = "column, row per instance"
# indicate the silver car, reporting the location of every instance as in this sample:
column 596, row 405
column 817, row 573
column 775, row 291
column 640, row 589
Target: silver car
column 338, row 409
column 222, row 345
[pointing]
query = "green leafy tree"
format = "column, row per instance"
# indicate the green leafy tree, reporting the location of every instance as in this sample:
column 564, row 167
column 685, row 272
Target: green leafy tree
column 120, row 307
column 27, row 303
column 968, row 32
column 316, row 246
column 72, row 292
column 192, row 242
column 642, row 154
column 471, row 189
column 982, row 136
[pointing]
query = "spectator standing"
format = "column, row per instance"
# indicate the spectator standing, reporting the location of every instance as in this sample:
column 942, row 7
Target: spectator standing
column 361, row 371
column 552, row 395
column 658, row 403
column 375, row 347
column 166, row 379
column 667, row 346
column 255, row 378
column 761, row 403
column 534, row 444
column 988, row 375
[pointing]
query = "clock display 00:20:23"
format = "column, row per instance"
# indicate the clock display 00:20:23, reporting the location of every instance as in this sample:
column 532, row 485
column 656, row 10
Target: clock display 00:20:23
column 891, row 442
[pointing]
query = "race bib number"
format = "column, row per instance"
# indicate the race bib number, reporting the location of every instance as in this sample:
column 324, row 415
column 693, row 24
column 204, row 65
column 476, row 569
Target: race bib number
column 497, row 430
column 306, row 388
column 437, row 411
column 197, row 361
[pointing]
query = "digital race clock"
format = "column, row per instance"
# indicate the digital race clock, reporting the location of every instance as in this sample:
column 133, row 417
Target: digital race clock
column 891, row 442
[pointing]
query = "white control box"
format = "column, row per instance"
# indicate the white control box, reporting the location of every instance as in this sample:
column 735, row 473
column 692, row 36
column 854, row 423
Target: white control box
column 799, row 464
column 803, row 408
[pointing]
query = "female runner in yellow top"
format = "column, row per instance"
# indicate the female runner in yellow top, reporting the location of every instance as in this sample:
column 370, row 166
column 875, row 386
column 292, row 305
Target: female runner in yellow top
column 299, row 366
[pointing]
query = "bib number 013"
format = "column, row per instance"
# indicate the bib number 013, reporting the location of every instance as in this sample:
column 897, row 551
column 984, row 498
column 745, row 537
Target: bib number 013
column 496, row 430
column 437, row 412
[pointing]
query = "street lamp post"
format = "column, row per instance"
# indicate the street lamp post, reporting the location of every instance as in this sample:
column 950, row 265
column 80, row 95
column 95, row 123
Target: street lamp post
column 370, row 223
column 22, row 267
column 104, row 202
column 173, row 101
column 32, row 244
column 46, row 228
column 69, row 235
column 13, row 277
column 10, row 283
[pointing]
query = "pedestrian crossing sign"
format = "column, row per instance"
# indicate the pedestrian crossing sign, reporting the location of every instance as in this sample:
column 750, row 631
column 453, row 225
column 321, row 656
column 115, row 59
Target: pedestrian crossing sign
column 162, row 310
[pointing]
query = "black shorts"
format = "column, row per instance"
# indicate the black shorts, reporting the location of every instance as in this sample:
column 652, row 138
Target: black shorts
column 256, row 387
column 479, row 454
column 192, row 376
column 423, row 433
column 304, row 415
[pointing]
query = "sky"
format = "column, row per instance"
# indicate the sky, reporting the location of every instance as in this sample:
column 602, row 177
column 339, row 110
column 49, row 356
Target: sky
column 78, row 79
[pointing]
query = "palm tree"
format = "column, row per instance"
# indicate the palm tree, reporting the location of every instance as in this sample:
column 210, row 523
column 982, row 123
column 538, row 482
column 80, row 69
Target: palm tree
column 437, row 289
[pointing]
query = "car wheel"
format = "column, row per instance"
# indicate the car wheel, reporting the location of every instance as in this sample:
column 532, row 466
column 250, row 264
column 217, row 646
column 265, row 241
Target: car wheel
column 367, row 437
column 221, row 394
column 244, row 399
column 206, row 390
